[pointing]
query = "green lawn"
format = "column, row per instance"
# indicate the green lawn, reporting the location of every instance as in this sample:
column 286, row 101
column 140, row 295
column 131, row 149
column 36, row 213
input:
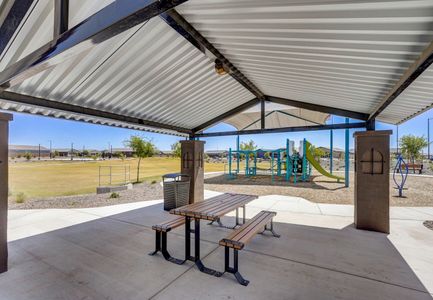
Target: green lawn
column 60, row 178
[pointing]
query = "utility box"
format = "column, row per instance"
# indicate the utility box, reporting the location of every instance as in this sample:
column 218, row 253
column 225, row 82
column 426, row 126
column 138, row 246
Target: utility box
column 176, row 190
column 372, row 165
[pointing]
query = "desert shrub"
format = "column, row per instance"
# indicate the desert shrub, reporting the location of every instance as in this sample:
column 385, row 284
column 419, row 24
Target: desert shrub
column 114, row 195
column 27, row 156
column 20, row 197
column 154, row 181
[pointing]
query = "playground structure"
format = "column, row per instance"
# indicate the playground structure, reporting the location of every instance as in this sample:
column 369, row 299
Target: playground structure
column 283, row 162
column 402, row 169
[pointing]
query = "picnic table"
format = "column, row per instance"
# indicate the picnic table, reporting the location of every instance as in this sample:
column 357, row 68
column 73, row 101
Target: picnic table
column 211, row 209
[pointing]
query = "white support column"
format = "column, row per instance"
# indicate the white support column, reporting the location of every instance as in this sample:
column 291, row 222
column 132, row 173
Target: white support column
column 4, row 184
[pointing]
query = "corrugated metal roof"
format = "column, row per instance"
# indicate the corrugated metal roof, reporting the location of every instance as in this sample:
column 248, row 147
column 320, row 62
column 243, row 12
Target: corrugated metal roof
column 345, row 54
column 36, row 110
column 149, row 72
column 338, row 53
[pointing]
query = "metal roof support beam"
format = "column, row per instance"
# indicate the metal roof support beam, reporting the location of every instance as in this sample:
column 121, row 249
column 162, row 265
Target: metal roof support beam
column 49, row 104
column 61, row 17
column 411, row 74
column 297, row 117
column 17, row 11
column 371, row 125
column 320, row 108
column 110, row 21
column 178, row 23
column 285, row 129
column 226, row 115
column 262, row 114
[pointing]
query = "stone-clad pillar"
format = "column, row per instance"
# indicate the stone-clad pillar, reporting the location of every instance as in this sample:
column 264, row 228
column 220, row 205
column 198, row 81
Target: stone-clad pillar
column 192, row 164
column 4, row 184
column 372, row 163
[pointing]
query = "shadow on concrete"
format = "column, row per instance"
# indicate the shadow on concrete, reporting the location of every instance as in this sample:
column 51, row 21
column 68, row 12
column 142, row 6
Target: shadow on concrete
column 107, row 258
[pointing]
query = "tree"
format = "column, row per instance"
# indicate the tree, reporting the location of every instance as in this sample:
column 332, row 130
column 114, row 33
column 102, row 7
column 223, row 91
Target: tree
column 176, row 148
column 317, row 152
column 248, row 146
column 28, row 156
column 142, row 148
column 411, row 146
column 85, row 153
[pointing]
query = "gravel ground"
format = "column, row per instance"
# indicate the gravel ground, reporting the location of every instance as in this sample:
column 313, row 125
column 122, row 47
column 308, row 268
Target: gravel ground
column 140, row 192
column 322, row 189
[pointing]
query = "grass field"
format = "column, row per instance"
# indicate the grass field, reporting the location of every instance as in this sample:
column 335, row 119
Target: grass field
column 61, row 178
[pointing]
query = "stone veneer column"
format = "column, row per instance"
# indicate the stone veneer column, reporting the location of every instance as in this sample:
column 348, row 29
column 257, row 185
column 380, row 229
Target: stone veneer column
column 372, row 163
column 192, row 164
column 4, row 184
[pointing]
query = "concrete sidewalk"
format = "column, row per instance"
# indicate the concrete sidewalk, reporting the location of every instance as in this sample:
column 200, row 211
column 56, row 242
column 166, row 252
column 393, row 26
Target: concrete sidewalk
column 99, row 253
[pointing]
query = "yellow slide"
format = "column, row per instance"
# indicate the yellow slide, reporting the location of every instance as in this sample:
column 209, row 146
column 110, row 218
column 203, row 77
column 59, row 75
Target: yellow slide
column 317, row 165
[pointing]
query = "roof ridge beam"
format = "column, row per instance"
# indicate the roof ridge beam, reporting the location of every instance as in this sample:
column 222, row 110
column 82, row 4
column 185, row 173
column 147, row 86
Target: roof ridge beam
column 285, row 129
column 110, row 21
column 412, row 73
column 66, row 107
column 320, row 108
column 184, row 28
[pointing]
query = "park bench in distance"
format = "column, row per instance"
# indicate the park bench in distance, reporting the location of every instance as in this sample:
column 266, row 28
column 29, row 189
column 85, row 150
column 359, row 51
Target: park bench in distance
column 161, row 238
column 415, row 167
column 242, row 236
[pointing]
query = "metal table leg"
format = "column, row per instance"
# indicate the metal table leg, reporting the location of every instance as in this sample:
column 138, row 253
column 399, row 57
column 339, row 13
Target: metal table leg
column 197, row 259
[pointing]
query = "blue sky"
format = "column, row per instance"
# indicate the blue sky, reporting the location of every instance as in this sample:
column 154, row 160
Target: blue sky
column 34, row 130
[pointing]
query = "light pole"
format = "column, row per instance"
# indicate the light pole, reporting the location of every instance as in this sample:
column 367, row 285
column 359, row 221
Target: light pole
column 428, row 137
column 51, row 150
column 397, row 141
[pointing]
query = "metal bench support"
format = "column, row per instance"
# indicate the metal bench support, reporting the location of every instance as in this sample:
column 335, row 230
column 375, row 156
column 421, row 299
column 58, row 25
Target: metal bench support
column 161, row 245
column 238, row 223
column 235, row 269
column 271, row 229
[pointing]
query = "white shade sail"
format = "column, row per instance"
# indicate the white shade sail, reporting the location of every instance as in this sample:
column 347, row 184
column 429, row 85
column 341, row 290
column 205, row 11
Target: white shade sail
column 276, row 116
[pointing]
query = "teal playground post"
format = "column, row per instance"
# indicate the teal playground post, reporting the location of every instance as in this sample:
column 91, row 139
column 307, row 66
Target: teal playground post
column 346, row 157
column 331, row 151
column 230, row 162
column 304, row 160
column 288, row 167
column 237, row 155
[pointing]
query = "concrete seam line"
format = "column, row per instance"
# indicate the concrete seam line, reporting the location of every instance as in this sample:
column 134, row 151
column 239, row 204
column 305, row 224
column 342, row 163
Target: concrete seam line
column 338, row 271
column 172, row 281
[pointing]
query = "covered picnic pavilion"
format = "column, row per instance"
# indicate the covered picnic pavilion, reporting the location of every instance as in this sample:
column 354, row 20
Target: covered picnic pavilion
column 179, row 67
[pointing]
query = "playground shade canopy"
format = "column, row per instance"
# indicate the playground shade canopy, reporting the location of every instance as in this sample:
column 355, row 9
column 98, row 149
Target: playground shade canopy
column 349, row 55
column 277, row 116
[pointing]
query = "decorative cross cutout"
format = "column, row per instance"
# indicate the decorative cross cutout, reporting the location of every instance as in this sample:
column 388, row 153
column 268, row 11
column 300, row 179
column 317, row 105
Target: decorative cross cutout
column 372, row 162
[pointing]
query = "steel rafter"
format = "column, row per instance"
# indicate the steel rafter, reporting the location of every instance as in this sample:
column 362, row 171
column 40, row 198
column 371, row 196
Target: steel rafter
column 411, row 74
column 320, row 108
column 55, row 105
column 112, row 20
column 285, row 129
column 184, row 28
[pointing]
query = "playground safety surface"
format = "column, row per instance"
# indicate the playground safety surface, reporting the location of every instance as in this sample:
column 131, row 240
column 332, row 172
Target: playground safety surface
column 321, row 189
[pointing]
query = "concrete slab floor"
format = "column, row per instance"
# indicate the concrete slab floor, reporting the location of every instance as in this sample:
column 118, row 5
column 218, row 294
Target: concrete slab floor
column 101, row 253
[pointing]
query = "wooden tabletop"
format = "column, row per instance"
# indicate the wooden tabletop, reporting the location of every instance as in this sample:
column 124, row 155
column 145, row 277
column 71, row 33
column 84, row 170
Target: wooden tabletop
column 213, row 208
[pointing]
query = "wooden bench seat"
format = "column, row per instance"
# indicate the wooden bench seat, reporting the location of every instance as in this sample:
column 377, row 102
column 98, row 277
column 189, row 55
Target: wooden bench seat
column 169, row 225
column 161, row 238
column 242, row 236
column 415, row 167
